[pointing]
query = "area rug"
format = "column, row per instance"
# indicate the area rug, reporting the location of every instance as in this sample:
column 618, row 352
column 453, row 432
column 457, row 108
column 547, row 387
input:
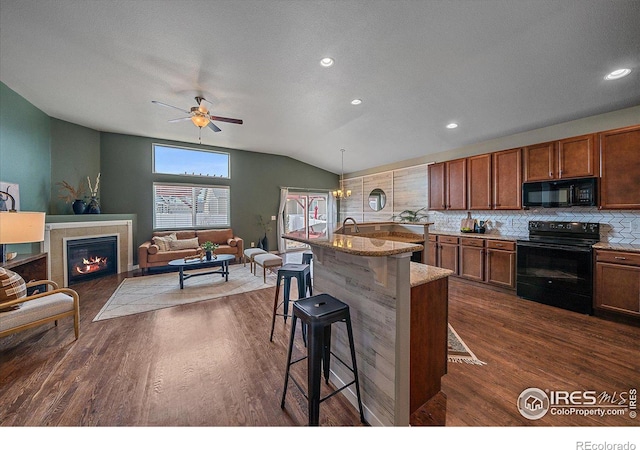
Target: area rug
column 153, row 292
column 458, row 350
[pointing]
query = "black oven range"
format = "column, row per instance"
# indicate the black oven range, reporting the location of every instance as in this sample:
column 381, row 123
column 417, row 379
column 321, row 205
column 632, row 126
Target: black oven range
column 555, row 265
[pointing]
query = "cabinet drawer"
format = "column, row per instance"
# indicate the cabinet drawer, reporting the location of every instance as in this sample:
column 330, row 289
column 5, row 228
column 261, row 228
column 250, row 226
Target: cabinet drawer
column 472, row 242
column 501, row 245
column 447, row 239
column 631, row 259
column 433, row 238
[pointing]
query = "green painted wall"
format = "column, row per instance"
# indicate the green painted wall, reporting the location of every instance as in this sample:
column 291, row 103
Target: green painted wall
column 75, row 155
column 25, row 149
column 126, row 185
column 25, row 154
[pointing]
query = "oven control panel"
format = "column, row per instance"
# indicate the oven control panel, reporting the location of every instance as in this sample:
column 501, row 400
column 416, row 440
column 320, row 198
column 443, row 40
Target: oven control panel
column 560, row 227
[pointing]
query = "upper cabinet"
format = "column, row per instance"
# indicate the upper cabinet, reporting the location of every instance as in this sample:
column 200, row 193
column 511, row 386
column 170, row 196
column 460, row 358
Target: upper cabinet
column 479, row 182
column 494, row 180
column 567, row 158
column 620, row 168
column 447, row 185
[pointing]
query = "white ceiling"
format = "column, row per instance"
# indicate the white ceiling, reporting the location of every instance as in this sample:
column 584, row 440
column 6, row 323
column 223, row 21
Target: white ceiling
column 496, row 67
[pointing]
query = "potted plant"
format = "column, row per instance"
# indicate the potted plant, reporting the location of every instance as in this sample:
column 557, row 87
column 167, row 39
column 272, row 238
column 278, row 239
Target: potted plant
column 209, row 247
column 73, row 196
column 266, row 227
column 411, row 216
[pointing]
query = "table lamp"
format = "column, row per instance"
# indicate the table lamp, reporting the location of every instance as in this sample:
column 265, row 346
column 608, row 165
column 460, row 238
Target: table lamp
column 19, row 227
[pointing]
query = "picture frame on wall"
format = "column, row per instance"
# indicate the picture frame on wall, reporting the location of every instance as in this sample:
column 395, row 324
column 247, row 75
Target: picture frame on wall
column 12, row 189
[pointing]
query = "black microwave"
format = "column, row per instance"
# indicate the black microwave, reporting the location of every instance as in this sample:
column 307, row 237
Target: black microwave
column 560, row 193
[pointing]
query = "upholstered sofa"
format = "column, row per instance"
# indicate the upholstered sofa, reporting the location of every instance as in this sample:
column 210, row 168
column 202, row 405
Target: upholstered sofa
column 165, row 246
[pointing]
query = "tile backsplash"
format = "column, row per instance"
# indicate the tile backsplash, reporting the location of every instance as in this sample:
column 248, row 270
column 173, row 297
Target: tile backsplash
column 616, row 227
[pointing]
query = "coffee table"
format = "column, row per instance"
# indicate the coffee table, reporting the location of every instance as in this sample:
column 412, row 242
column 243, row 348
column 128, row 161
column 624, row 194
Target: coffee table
column 221, row 261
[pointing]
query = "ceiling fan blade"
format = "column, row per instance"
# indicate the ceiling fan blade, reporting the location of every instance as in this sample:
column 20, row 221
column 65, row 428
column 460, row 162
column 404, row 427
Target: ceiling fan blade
column 180, row 119
column 226, row 119
column 213, row 127
column 169, row 106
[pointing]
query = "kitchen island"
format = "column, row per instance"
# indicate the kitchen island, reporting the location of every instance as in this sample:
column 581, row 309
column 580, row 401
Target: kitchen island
column 398, row 311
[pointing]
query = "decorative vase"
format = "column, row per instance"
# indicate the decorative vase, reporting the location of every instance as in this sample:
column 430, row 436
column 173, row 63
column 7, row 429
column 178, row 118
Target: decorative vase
column 78, row 206
column 264, row 243
column 93, row 207
column 208, row 255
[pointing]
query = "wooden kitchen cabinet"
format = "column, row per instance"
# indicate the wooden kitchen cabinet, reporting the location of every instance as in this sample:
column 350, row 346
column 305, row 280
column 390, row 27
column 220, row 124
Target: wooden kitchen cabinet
column 472, row 258
column 620, row 168
column 479, row 192
column 448, row 185
column 573, row 157
column 432, row 250
column 501, row 264
column 507, row 179
column 448, row 253
column 437, row 189
column 617, row 282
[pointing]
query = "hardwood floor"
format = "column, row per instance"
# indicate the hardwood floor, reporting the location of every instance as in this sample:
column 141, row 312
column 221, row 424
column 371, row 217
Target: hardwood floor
column 211, row 364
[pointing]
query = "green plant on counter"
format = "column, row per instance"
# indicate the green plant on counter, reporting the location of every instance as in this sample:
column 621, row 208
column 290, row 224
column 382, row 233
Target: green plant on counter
column 411, row 216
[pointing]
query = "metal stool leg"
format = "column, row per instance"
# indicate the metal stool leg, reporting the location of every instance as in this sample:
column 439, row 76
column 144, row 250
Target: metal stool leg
column 275, row 307
column 326, row 353
column 313, row 369
column 286, row 376
column 355, row 367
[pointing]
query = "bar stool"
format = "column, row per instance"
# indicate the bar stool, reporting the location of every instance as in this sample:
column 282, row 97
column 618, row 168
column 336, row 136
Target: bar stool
column 288, row 271
column 318, row 313
column 306, row 259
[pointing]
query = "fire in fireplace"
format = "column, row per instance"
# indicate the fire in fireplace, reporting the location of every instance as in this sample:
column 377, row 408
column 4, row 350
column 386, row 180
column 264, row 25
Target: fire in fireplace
column 90, row 258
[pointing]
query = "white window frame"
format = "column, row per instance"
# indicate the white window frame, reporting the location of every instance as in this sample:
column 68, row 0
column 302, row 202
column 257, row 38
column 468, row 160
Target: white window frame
column 190, row 149
column 194, row 212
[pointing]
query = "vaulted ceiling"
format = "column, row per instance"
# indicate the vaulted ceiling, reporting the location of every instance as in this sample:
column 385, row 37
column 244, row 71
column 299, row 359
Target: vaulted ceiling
column 495, row 67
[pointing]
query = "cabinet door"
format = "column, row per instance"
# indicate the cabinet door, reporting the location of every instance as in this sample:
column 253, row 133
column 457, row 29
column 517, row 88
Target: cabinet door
column 437, row 186
column 540, row 162
column 456, row 177
column 501, row 268
column 432, row 252
column 576, row 157
column 507, row 179
column 620, row 170
column 472, row 263
column 618, row 288
column 479, row 181
column 448, row 257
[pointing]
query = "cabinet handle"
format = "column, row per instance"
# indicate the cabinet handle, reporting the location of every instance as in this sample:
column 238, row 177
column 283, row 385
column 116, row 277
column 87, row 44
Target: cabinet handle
column 550, row 174
column 444, row 206
column 561, row 173
column 619, row 257
column 499, row 245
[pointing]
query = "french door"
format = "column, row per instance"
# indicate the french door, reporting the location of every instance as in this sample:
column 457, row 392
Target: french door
column 306, row 216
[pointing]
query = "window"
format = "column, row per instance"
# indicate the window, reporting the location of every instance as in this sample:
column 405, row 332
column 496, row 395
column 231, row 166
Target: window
column 192, row 162
column 190, row 206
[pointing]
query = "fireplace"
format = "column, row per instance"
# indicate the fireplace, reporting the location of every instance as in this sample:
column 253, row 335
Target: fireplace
column 90, row 258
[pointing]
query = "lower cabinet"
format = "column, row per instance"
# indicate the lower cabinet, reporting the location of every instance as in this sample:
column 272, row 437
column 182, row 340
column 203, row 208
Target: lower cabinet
column 501, row 264
column 617, row 286
column 488, row 261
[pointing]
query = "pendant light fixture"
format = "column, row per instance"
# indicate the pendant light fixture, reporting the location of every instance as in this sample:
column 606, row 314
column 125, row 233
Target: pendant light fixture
column 341, row 193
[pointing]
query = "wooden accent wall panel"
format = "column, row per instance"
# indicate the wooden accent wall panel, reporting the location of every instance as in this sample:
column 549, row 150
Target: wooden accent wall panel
column 382, row 181
column 409, row 188
column 352, row 206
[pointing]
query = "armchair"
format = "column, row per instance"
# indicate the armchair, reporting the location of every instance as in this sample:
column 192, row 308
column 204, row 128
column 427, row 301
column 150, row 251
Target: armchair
column 41, row 308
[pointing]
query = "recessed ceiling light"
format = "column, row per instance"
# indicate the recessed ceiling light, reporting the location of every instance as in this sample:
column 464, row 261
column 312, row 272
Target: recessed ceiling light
column 618, row 74
column 326, row 62
column 452, row 125
column 356, row 101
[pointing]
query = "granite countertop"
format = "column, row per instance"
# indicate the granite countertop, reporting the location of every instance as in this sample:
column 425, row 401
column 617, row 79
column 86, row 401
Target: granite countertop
column 398, row 236
column 622, row 247
column 495, row 236
column 361, row 246
column 422, row 273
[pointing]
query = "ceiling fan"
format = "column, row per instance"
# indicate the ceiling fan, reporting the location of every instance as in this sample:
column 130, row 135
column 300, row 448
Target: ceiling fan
column 199, row 115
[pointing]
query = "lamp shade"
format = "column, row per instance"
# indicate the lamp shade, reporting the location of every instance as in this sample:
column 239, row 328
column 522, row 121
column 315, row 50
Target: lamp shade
column 21, row 227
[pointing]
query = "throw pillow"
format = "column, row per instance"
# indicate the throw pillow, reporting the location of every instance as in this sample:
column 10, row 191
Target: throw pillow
column 163, row 241
column 12, row 287
column 183, row 244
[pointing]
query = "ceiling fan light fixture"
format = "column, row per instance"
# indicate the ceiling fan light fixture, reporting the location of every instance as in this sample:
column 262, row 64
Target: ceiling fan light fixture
column 200, row 120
